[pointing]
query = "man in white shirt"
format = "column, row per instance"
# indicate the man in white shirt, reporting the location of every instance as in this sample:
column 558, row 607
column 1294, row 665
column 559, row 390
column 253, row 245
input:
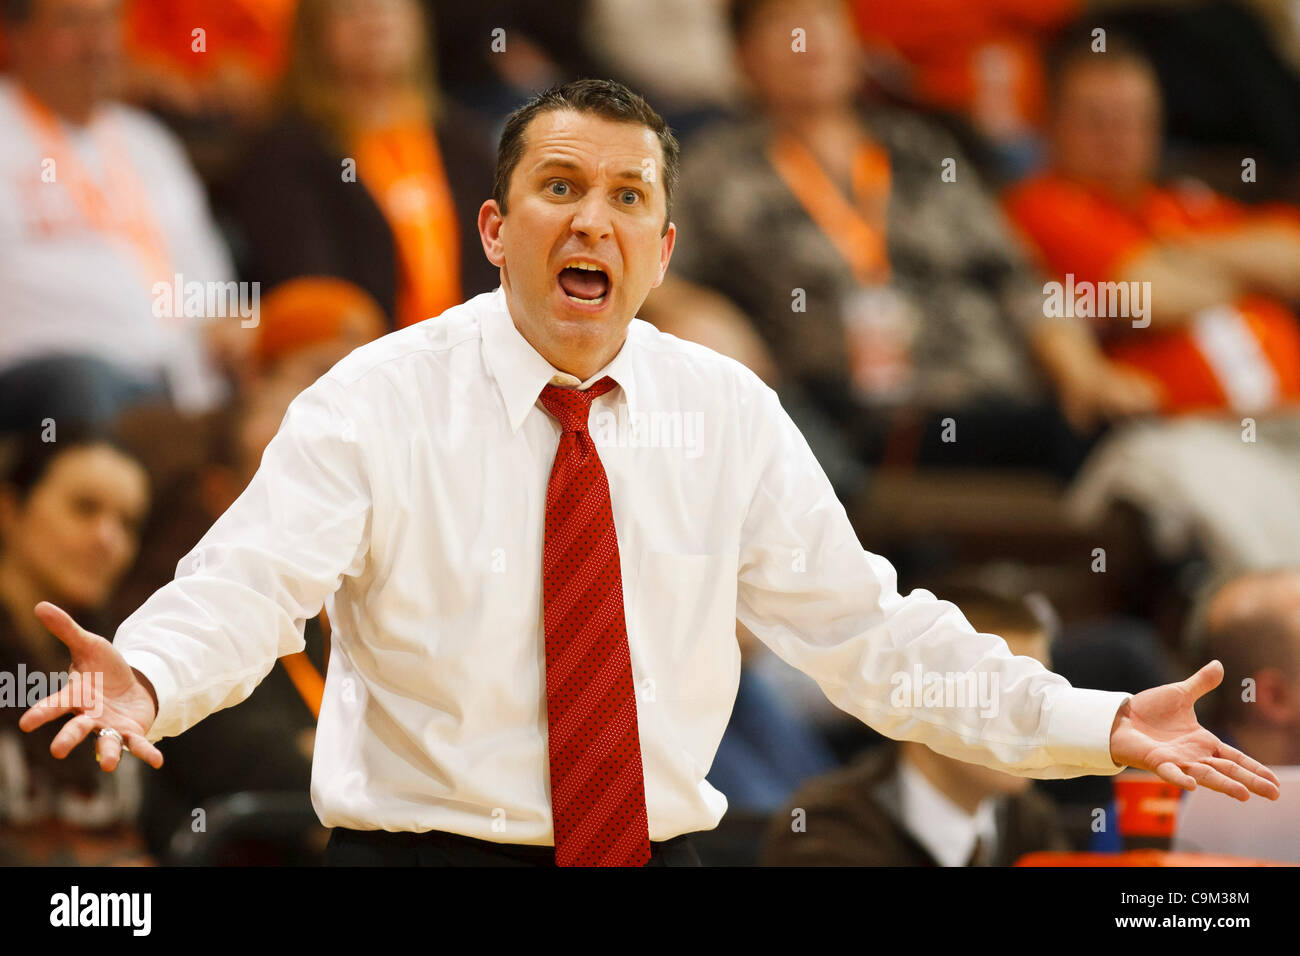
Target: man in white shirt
column 525, row 584
column 99, row 214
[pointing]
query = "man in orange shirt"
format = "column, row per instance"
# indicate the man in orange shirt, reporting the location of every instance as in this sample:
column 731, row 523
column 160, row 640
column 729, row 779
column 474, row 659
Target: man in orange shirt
column 1220, row 335
column 1185, row 289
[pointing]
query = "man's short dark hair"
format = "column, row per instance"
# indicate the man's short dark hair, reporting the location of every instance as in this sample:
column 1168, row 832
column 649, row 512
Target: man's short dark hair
column 993, row 610
column 1075, row 49
column 603, row 98
column 741, row 14
column 16, row 11
column 1245, row 640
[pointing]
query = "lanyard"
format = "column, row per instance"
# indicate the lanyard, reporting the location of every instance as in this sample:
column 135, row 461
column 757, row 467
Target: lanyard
column 306, row 680
column 856, row 230
column 403, row 168
column 123, row 207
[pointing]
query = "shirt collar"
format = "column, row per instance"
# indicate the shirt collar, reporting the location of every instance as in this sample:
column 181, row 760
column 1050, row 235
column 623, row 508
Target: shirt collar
column 946, row 830
column 521, row 373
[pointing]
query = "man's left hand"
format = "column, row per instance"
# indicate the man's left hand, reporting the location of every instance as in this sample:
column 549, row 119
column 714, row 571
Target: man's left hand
column 1157, row 730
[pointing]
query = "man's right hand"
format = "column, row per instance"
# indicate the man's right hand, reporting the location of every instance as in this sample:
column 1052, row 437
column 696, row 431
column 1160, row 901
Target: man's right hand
column 124, row 701
column 1109, row 392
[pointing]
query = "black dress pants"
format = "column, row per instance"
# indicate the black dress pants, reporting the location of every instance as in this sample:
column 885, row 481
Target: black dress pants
column 436, row 848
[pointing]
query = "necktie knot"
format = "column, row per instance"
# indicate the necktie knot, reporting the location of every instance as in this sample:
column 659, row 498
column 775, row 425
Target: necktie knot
column 570, row 406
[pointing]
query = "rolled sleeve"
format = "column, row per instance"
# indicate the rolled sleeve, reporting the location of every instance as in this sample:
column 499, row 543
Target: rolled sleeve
column 1079, row 725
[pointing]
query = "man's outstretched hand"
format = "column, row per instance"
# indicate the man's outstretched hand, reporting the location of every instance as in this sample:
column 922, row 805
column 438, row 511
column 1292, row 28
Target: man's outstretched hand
column 1156, row 730
column 124, row 702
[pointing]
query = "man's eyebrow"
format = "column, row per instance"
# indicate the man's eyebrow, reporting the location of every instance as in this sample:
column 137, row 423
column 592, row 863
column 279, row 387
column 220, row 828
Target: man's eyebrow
column 636, row 173
column 557, row 162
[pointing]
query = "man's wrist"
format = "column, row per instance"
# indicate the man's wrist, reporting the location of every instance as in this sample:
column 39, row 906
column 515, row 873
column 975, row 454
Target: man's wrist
column 153, row 694
column 1120, row 714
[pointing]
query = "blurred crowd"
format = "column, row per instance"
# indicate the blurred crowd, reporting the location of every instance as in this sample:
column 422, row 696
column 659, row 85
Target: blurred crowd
column 1024, row 272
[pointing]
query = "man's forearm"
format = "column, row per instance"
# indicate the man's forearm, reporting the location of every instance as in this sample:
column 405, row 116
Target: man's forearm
column 1182, row 283
column 1264, row 258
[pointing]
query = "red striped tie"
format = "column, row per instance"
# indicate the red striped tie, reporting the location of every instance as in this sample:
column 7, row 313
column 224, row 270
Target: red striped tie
column 597, row 787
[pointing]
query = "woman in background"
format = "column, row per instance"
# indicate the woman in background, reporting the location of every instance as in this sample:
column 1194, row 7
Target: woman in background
column 70, row 517
column 369, row 175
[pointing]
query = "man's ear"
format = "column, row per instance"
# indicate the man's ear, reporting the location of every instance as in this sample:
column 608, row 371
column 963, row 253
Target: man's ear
column 490, row 221
column 666, row 252
column 1274, row 696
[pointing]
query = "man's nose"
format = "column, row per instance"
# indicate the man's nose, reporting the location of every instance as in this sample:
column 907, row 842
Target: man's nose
column 592, row 216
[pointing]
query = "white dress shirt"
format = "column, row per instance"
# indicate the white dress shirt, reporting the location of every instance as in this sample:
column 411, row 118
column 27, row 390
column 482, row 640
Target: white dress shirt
column 406, row 490
column 946, row 830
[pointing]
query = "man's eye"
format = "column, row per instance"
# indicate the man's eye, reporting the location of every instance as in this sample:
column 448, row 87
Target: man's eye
column 558, row 188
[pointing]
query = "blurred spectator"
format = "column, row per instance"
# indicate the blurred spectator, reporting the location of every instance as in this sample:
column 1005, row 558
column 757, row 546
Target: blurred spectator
column 1100, row 216
column 192, row 56
column 69, row 389
column 209, row 70
column 493, row 54
column 99, row 215
column 1229, row 90
column 891, row 294
column 1251, row 623
column 70, row 513
column 370, row 175
column 680, row 59
column 902, row 804
column 98, row 207
column 310, row 324
column 1203, row 315
column 981, row 59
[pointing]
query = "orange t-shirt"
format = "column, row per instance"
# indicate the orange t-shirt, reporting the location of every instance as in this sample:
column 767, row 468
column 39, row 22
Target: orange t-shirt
column 1246, row 353
column 402, row 168
column 983, row 58
column 254, row 33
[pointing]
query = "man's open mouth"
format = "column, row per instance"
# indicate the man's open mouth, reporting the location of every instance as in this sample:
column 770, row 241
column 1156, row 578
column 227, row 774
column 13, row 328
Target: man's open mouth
column 585, row 283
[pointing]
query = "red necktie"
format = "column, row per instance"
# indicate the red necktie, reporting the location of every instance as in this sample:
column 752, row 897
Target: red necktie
column 597, row 787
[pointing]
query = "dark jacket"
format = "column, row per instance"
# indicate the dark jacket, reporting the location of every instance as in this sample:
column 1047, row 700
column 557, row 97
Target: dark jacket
column 847, row 825
column 290, row 213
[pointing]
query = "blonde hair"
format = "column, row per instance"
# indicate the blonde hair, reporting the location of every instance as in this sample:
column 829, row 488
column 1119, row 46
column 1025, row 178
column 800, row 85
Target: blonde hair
column 310, row 88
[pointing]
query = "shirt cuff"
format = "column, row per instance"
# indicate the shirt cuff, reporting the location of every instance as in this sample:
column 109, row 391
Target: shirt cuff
column 1078, row 728
column 159, row 673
